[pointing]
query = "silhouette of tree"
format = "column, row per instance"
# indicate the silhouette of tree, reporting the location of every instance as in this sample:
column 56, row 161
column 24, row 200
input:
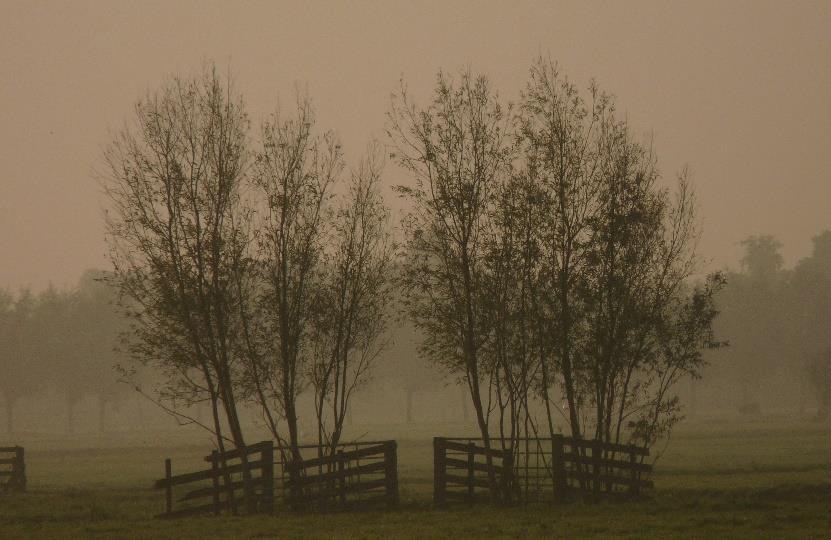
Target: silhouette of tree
column 179, row 239
column 762, row 258
column 22, row 367
column 754, row 306
column 294, row 172
column 457, row 151
column 354, row 299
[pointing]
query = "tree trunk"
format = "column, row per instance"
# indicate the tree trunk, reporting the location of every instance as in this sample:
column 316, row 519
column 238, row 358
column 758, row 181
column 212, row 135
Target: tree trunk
column 693, row 397
column 745, row 395
column 102, row 403
column 70, row 416
column 140, row 413
column 465, row 411
column 410, row 393
column 10, row 415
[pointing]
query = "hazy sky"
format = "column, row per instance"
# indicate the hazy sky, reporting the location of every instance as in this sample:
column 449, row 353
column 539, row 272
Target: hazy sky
column 739, row 91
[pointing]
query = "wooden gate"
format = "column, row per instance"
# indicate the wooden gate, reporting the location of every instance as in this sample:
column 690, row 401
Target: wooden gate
column 526, row 469
column 598, row 468
column 461, row 468
column 358, row 474
column 231, row 487
column 12, row 469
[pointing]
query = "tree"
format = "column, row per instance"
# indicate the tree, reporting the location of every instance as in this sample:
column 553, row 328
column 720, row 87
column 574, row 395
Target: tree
column 762, row 258
column 754, row 304
column 543, row 254
column 403, row 369
column 818, row 369
column 96, row 326
column 294, row 172
column 512, row 290
column 563, row 137
column 457, row 151
column 353, row 300
column 179, row 240
column 616, row 256
column 804, row 319
column 19, row 358
column 59, row 345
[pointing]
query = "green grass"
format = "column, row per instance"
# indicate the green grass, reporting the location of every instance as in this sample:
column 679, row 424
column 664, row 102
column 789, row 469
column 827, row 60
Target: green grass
column 768, row 478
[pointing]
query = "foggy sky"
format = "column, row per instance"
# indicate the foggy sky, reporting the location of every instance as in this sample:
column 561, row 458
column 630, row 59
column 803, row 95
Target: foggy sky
column 739, row 91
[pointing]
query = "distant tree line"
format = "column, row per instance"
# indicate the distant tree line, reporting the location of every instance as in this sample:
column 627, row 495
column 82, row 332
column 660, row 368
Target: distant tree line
column 63, row 340
column 777, row 319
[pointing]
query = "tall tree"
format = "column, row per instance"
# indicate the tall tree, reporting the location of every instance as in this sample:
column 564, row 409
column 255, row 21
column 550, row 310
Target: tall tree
column 179, row 238
column 97, row 325
column 457, row 151
column 19, row 359
column 294, row 172
column 60, row 345
column 354, row 299
column 616, row 255
column 563, row 140
column 754, row 304
column 511, row 282
column 804, row 321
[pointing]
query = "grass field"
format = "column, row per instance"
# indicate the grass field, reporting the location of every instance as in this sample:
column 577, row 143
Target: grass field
column 761, row 478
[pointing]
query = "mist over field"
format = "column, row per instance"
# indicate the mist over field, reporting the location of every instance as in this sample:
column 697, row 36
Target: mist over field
column 415, row 269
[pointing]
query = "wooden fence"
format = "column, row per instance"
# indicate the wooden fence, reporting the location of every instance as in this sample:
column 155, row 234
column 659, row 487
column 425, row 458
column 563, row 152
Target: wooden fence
column 598, row 467
column 536, row 469
column 231, row 486
column 356, row 475
column 12, row 469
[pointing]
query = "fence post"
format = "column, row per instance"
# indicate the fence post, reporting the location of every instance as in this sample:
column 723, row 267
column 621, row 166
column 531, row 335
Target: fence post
column 391, row 470
column 596, row 453
column 507, row 474
column 471, row 460
column 439, row 471
column 267, row 475
column 248, row 496
column 558, row 467
column 215, row 480
column 168, row 491
column 634, row 487
column 19, row 468
column 295, row 489
column 342, row 477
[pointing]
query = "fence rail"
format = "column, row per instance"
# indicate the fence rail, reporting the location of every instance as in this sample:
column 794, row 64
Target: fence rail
column 536, row 468
column 356, row 474
column 610, row 469
column 365, row 474
column 231, row 487
column 12, row 469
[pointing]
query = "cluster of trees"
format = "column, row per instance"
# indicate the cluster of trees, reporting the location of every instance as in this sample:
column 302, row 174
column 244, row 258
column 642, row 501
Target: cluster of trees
column 543, row 257
column 60, row 340
column 543, row 264
column 777, row 319
column 251, row 268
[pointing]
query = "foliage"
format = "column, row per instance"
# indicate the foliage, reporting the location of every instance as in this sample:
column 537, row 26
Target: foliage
column 243, row 279
column 179, row 240
column 457, row 151
column 776, row 318
column 542, row 254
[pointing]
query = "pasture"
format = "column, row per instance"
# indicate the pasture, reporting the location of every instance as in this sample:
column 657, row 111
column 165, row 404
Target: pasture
column 720, row 476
